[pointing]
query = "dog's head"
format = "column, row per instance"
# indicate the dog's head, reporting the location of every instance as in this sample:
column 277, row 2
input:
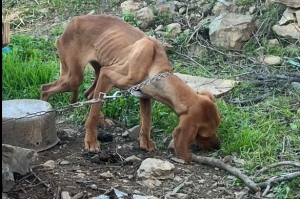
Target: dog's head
column 207, row 137
column 198, row 125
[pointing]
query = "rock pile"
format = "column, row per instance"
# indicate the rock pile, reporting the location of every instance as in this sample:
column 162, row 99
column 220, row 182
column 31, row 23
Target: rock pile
column 289, row 24
column 229, row 25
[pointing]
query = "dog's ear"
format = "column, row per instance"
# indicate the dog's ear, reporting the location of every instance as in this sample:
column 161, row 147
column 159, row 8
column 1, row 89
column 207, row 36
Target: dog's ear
column 209, row 143
column 210, row 96
column 207, row 94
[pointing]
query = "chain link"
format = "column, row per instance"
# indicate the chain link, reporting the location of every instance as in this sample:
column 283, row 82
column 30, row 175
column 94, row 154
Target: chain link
column 102, row 96
column 149, row 81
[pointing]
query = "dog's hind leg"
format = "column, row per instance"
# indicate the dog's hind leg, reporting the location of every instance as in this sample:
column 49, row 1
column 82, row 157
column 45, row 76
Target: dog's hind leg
column 90, row 91
column 69, row 81
column 145, row 122
column 90, row 141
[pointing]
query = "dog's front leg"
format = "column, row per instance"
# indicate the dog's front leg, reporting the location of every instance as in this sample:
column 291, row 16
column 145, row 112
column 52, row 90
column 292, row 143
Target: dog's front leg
column 90, row 140
column 184, row 134
column 145, row 122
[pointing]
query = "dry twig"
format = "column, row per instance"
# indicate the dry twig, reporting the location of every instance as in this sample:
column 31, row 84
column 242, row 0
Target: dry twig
column 39, row 179
column 194, row 62
column 176, row 189
column 284, row 163
column 27, row 187
column 234, row 171
column 77, row 196
column 252, row 100
column 57, row 193
column 286, row 177
column 266, row 190
column 248, row 182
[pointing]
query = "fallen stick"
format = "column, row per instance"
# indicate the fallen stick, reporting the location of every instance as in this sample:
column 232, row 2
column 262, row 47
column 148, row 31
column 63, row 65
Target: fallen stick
column 284, row 163
column 286, row 177
column 234, row 171
column 57, row 193
column 176, row 189
column 77, row 196
column 27, row 187
column 39, row 179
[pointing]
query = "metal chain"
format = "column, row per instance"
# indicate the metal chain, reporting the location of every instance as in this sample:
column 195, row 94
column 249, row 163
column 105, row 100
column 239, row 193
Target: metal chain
column 149, row 81
column 102, row 96
column 61, row 109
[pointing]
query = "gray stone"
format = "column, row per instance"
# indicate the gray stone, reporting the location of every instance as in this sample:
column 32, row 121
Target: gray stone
column 182, row 10
column 291, row 30
column 17, row 158
column 64, row 162
column 35, row 131
column 107, row 175
column 165, row 8
column 156, row 168
column 272, row 60
column 290, row 3
column 132, row 159
column 174, row 29
column 130, row 6
column 94, row 186
column 8, row 180
column 296, row 85
column 144, row 17
column 65, row 195
column 49, row 165
column 273, row 42
column 80, row 175
column 134, row 132
column 231, row 30
column 288, row 16
column 14, row 160
column 252, row 9
column 158, row 28
column 135, row 196
column 4, row 196
column 178, row 160
column 150, row 183
column 221, row 9
column 176, row 196
column 125, row 134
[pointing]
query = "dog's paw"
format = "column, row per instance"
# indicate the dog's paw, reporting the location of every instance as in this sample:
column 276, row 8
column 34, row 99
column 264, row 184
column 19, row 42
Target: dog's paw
column 105, row 122
column 148, row 145
column 92, row 146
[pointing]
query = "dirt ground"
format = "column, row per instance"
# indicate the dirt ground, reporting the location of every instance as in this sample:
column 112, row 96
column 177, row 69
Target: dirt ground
column 77, row 171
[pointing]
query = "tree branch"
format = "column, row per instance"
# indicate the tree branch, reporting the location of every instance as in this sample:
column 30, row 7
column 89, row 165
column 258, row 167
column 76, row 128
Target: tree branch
column 291, row 163
column 234, row 171
column 286, row 177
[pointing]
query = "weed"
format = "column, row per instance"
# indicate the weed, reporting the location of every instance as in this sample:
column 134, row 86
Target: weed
column 245, row 2
column 58, row 30
column 129, row 18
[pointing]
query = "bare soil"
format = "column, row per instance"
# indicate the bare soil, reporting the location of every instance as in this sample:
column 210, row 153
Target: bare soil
column 81, row 172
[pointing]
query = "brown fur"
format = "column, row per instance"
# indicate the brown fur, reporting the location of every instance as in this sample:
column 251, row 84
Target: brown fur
column 122, row 57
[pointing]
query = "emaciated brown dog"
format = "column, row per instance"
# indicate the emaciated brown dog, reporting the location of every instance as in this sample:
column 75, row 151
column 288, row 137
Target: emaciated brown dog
column 124, row 56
